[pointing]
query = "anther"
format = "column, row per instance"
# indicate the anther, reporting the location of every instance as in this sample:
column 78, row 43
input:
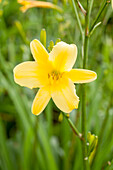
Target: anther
column 48, row 75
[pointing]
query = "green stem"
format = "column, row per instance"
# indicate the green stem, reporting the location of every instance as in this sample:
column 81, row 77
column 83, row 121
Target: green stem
column 90, row 8
column 84, row 146
column 104, row 4
column 75, row 130
column 77, row 16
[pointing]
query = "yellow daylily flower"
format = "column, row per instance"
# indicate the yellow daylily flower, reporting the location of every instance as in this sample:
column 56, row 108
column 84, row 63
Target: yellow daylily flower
column 112, row 3
column 40, row 4
column 53, row 74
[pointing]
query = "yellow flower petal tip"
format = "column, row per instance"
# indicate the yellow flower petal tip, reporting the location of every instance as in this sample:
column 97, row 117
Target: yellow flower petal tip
column 53, row 74
column 81, row 75
column 41, row 100
column 39, row 4
column 57, row 54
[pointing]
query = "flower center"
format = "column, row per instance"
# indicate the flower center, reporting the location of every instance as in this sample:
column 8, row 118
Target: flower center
column 54, row 76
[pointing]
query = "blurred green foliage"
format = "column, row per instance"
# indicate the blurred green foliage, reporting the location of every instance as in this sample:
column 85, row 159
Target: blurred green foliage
column 45, row 142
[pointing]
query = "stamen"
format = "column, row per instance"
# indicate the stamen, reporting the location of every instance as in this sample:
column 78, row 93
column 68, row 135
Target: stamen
column 54, row 76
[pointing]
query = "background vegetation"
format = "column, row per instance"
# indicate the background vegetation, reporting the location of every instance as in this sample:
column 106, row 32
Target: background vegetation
column 47, row 142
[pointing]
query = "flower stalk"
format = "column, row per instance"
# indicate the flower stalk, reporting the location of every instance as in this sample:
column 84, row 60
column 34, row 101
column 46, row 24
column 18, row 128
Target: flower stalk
column 77, row 17
column 75, row 130
column 104, row 4
column 85, row 56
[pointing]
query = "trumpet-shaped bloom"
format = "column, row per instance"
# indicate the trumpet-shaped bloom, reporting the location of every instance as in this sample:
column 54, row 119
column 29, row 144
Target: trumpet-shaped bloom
column 40, row 4
column 53, row 74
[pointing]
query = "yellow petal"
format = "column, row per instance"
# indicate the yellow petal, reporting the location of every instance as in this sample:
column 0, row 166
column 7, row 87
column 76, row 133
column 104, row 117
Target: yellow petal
column 39, row 4
column 24, row 8
column 19, row 1
column 63, row 56
column 64, row 96
column 112, row 3
column 81, row 75
column 41, row 100
column 39, row 52
column 30, row 75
